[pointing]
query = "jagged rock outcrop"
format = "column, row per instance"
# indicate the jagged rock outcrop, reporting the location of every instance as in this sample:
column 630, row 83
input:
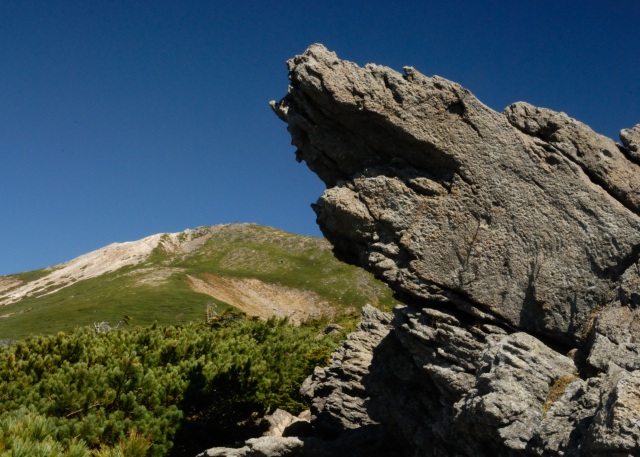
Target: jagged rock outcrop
column 631, row 140
column 513, row 238
column 337, row 394
column 508, row 216
column 339, row 406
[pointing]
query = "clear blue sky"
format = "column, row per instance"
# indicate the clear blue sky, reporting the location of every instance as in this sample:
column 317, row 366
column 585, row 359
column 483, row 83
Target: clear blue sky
column 121, row 119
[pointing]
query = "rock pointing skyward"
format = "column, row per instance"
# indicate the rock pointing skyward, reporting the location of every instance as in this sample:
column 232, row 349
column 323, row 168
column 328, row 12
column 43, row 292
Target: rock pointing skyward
column 513, row 239
column 527, row 219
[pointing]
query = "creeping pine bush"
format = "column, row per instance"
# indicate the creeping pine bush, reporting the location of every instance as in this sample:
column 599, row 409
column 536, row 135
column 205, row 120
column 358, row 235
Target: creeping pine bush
column 128, row 392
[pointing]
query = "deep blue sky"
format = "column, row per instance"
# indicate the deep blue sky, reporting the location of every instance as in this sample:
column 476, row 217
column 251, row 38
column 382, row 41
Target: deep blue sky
column 121, row 119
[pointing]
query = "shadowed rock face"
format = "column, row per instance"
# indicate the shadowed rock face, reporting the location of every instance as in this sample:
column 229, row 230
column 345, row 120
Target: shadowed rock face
column 514, row 240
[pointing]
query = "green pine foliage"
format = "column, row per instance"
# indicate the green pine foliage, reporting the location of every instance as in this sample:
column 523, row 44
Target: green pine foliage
column 128, row 392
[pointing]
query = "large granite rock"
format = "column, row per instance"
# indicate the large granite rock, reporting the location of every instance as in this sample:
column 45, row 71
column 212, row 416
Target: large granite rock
column 527, row 217
column 513, row 239
column 337, row 394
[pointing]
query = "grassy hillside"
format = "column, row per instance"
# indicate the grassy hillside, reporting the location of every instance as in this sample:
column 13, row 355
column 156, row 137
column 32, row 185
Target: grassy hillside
column 157, row 289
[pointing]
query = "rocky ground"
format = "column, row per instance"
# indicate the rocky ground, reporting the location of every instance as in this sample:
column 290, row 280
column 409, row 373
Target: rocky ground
column 257, row 298
column 90, row 265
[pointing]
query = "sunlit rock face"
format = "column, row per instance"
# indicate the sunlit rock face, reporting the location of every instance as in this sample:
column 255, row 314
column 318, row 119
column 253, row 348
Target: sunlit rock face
column 511, row 238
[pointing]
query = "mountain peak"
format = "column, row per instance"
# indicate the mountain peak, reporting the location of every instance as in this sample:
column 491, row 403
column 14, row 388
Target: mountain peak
column 175, row 277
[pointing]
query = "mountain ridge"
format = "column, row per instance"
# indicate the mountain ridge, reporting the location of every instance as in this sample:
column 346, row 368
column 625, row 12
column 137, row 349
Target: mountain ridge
column 260, row 270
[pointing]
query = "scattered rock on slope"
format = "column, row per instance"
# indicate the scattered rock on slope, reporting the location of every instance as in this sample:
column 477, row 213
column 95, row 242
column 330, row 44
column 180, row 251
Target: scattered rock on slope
column 514, row 240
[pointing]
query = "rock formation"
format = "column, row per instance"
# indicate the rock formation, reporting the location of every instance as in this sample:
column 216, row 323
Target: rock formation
column 512, row 239
column 341, row 423
column 525, row 219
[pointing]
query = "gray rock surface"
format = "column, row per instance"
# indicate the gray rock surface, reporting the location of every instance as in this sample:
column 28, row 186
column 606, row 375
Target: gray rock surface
column 631, row 141
column 514, row 240
column 615, row 338
column 599, row 157
column 615, row 429
column 338, row 397
column 266, row 446
column 500, row 215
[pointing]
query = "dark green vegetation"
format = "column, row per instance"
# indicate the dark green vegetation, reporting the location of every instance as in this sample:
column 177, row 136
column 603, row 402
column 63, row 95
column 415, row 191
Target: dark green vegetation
column 158, row 289
column 167, row 387
column 138, row 391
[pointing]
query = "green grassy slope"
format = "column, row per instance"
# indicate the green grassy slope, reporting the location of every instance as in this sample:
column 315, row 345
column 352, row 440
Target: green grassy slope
column 238, row 250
